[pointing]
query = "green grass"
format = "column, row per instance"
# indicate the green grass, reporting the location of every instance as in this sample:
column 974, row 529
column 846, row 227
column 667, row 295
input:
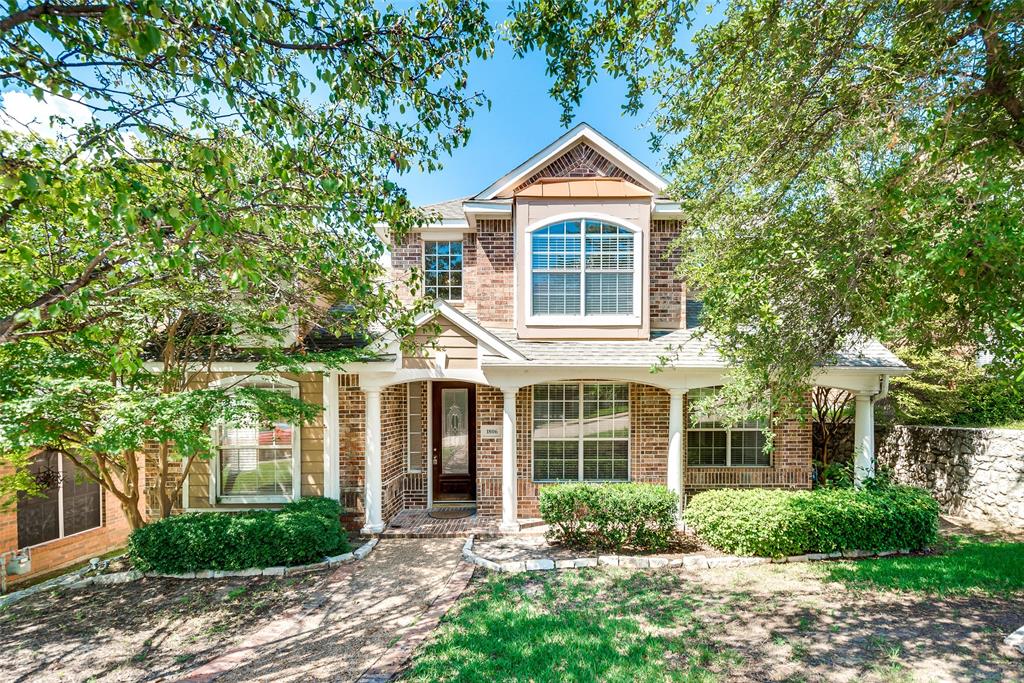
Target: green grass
column 574, row 626
column 963, row 567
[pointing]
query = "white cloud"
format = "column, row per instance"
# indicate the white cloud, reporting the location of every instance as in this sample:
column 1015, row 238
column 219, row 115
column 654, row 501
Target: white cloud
column 51, row 117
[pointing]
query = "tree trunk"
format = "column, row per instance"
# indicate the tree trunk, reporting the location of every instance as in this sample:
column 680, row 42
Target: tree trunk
column 132, row 514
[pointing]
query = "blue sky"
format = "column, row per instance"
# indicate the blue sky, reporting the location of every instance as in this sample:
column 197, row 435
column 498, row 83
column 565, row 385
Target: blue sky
column 523, row 119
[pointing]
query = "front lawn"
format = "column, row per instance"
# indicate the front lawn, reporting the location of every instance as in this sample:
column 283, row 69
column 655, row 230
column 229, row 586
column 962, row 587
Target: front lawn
column 583, row 626
column 944, row 620
column 963, row 567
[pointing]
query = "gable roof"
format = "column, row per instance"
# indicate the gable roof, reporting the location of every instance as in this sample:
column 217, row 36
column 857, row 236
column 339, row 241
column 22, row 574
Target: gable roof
column 494, row 345
column 583, row 133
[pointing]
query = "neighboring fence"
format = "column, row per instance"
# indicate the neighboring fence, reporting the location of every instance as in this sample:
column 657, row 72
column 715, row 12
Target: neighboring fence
column 976, row 473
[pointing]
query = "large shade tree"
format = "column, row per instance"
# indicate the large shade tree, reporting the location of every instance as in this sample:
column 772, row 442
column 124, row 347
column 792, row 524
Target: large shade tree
column 227, row 186
column 848, row 169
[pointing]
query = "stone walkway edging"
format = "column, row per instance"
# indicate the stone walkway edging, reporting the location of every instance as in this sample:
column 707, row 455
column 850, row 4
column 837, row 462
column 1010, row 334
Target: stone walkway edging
column 642, row 562
column 73, row 581
column 1016, row 639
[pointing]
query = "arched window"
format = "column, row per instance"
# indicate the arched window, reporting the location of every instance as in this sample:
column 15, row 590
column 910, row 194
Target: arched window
column 583, row 267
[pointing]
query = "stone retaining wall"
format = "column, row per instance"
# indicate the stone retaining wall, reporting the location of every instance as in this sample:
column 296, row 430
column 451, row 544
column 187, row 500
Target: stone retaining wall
column 974, row 473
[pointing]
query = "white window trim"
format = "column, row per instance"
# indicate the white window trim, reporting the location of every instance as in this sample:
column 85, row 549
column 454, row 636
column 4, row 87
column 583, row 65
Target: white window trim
column 423, row 262
column 728, row 443
column 580, row 440
column 236, row 383
column 408, row 433
column 582, row 319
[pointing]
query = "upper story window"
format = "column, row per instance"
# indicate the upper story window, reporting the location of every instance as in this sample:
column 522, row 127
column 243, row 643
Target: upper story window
column 442, row 267
column 585, row 268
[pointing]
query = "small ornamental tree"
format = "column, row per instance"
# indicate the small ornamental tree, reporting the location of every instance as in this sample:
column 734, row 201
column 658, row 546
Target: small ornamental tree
column 223, row 196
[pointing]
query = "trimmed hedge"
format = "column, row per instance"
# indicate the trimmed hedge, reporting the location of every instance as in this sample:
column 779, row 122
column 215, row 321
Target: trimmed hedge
column 775, row 523
column 301, row 532
column 610, row 516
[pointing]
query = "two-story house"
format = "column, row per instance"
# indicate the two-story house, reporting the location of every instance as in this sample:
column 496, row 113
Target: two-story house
column 555, row 294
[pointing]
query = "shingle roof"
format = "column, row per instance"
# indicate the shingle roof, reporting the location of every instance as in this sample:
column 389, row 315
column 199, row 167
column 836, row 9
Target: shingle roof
column 449, row 208
column 677, row 348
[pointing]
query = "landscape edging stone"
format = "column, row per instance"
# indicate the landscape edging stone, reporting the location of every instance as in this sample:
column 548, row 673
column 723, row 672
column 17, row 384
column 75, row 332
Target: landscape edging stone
column 642, row 562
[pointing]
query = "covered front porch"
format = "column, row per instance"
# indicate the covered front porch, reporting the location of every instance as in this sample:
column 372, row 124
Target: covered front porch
column 471, row 420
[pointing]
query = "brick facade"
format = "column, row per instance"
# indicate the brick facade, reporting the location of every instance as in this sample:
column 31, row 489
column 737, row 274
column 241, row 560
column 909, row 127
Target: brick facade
column 791, row 464
column 648, row 455
column 394, row 441
column 580, row 161
column 667, row 289
column 495, row 247
column 351, row 448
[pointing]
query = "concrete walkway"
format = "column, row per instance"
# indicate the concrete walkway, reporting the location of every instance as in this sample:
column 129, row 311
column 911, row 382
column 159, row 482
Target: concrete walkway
column 364, row 623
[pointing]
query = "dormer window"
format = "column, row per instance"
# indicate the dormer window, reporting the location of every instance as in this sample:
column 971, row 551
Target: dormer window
column 584, row 268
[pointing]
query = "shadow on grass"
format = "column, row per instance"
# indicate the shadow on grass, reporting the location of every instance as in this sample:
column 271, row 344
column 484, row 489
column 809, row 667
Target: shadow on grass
column 964, row 567
column 581, row 628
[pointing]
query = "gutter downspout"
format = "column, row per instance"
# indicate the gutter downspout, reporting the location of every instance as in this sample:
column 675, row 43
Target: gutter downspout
column 882, row 393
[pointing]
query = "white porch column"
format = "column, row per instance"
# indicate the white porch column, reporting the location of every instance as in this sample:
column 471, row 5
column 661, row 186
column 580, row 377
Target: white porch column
column 675, row 444
column 332, row 477
column 509, row 498
column 863, row 438
column 372, row 476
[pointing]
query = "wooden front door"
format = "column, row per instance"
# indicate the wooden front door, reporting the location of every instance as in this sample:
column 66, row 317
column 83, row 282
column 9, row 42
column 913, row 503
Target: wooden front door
column 453, row 451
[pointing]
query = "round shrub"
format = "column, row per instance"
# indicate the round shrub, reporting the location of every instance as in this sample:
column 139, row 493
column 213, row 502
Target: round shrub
column 304, row 531
column 610, row 516
column 774, row 523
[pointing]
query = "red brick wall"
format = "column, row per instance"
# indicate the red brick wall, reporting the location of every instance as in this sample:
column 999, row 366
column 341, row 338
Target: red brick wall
column 63, row 552
column 394, row 423
column 495, row 261
column 668, row 291
column 580, row 161
column 406, row 254
column 489, row 405
column 648, row 433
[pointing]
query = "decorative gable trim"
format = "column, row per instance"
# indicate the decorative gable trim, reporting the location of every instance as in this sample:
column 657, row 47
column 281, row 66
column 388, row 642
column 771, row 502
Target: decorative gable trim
column 580, row 161
column 581, row 150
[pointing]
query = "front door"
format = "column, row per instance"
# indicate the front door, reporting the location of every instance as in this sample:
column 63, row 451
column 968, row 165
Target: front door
column 453, row 451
